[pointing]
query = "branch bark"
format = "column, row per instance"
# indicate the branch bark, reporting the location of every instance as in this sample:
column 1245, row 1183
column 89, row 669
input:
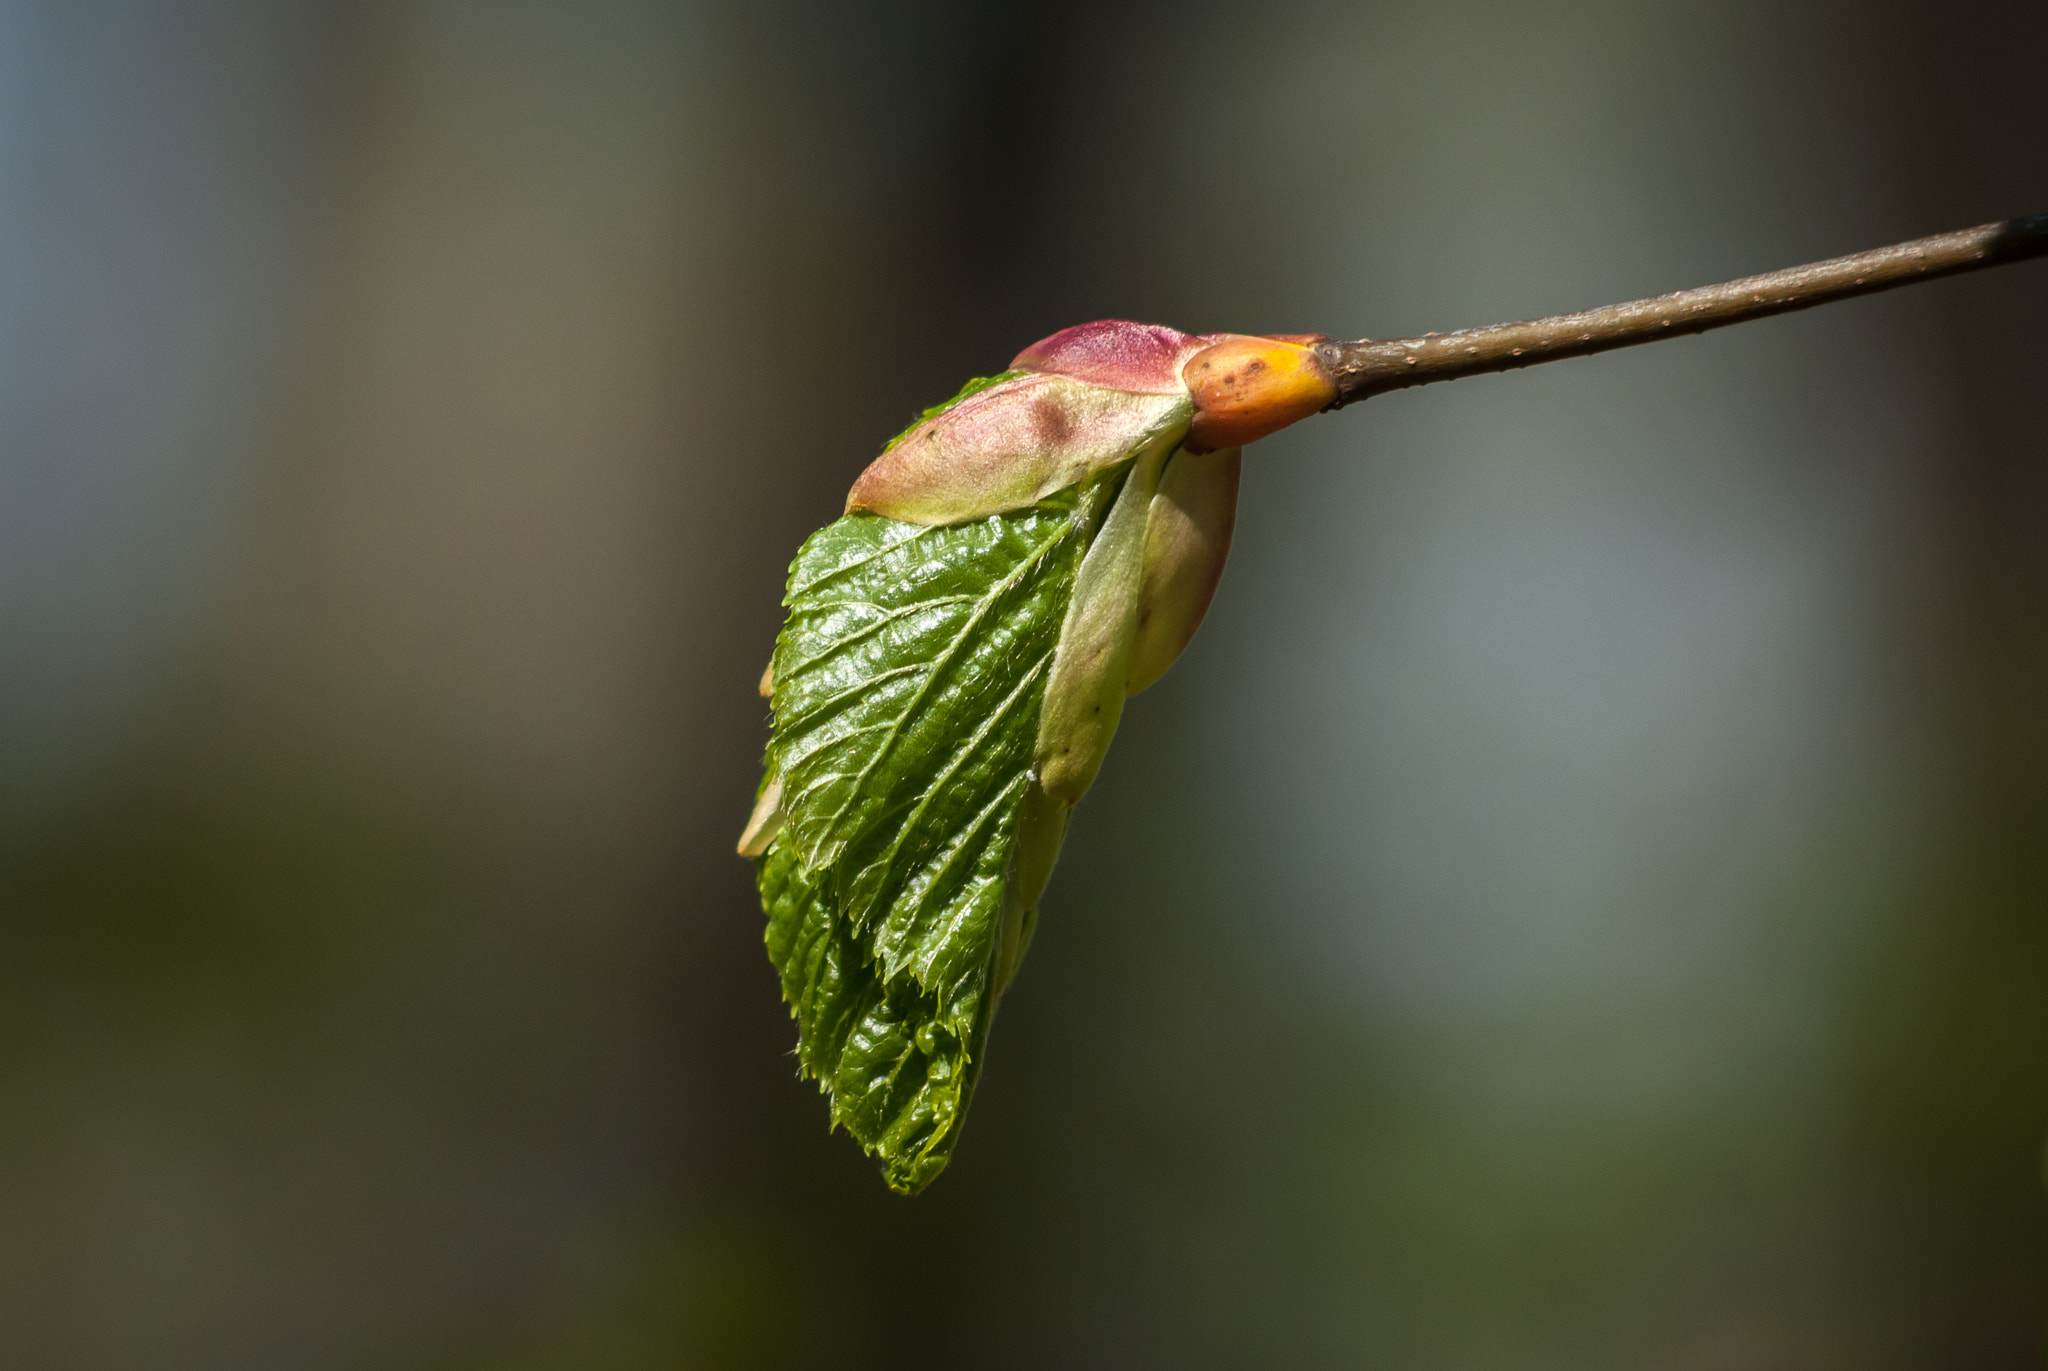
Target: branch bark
column 1367, row 367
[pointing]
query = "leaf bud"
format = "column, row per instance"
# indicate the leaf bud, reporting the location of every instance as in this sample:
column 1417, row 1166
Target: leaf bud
column 1245, row 388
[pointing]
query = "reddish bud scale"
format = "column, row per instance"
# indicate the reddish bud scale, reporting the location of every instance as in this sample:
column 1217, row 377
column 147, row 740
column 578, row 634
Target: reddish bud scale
column 1145, row 359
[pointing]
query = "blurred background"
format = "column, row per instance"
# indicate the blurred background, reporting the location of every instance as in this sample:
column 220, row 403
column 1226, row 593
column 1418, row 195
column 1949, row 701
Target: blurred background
column 1579, row 903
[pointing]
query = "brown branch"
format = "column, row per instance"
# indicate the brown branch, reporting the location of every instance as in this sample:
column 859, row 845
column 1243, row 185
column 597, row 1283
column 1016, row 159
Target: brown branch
column 1367, row 367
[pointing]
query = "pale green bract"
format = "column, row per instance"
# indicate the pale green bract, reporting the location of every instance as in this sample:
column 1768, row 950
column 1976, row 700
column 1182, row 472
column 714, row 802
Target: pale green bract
column 914, row 840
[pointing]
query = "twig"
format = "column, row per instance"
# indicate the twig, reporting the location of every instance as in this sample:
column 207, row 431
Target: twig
column 1368, row 368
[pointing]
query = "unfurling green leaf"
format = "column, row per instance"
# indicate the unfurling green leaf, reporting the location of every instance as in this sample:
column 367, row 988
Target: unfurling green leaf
column 907, row 686
column 956, row 657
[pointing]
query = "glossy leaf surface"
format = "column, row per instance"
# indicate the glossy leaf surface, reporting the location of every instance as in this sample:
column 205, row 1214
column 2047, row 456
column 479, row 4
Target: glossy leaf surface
column 907, row 688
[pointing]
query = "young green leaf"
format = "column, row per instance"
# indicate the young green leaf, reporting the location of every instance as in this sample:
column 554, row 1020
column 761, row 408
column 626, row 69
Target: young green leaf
column 907, row 685
column 954, row 664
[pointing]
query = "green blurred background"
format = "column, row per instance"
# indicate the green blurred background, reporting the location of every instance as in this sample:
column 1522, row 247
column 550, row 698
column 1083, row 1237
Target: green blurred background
column 1579, row 903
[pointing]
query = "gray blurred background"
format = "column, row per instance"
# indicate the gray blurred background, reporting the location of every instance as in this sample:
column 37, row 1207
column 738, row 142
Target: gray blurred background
column 1579, row 903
